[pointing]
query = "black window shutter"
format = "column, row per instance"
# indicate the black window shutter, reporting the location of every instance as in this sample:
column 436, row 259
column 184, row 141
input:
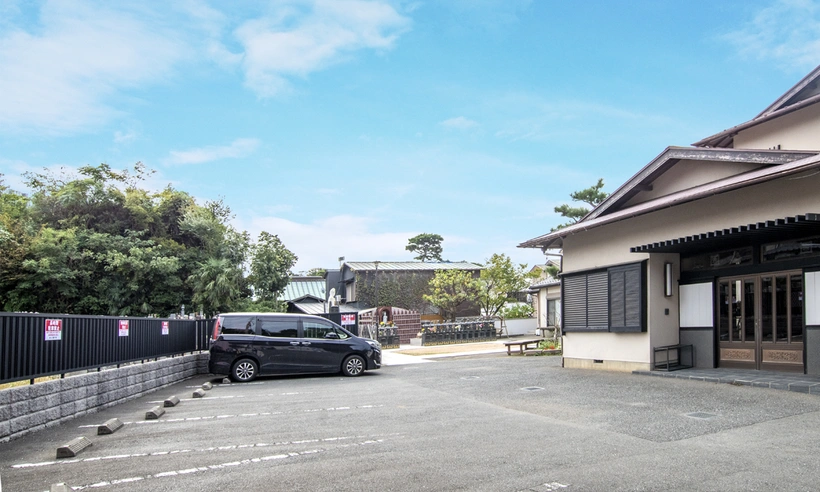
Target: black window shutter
column 609, row 300
column 627, row 306
column 574, row 302
column 616, row 299
column 597, row 301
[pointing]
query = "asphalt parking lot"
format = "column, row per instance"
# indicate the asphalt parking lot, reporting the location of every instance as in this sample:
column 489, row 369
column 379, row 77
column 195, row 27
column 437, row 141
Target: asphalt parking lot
column 488, row 422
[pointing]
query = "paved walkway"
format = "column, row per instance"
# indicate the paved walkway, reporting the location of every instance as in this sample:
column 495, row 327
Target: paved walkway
column 801, row 383
column 413, row 354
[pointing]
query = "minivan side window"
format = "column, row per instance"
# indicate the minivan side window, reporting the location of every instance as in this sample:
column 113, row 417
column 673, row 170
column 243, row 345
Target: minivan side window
column 278, row 328
column 319, row 329
column 238, row 325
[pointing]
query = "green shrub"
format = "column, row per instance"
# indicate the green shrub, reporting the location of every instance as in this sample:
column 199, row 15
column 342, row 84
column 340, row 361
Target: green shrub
column 518, row 311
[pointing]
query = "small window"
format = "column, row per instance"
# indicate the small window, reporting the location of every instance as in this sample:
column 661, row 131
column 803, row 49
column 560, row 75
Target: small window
column 279, row 328
column 552, row 305
column 238, row 325
column 321, row 329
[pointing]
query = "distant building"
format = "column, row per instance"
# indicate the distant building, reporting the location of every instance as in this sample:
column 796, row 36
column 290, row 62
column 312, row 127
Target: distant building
column 546, row 298
column 400, row 283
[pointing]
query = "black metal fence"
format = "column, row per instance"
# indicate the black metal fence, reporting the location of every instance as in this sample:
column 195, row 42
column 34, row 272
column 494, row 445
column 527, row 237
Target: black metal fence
column 387, row 336
column 37, row 345
column 447, row 333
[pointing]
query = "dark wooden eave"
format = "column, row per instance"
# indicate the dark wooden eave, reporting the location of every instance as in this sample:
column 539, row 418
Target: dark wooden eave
column 795, row 227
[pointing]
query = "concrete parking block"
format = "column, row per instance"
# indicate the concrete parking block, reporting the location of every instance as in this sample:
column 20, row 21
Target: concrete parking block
column 109, row 427
column 73, row 447
column 172, row 401
column 154, row 413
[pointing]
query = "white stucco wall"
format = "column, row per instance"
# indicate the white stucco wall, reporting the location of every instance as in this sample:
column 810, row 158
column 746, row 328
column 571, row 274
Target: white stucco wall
column 609, row 245
column 794, row 131
column 688, row 174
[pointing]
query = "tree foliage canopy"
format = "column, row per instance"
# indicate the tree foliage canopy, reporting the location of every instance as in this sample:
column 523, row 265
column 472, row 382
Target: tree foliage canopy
column 428, row 247
column 592, row 196
column 96, row 243
column 500, row 280
column 450, row 289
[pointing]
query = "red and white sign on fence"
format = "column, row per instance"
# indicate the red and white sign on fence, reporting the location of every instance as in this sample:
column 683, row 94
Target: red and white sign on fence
column 348, row 319
column 123, row 327
column 165, row 329
column 54, row 329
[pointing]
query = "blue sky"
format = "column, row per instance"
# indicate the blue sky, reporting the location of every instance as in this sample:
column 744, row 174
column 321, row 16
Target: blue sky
column 347, row 127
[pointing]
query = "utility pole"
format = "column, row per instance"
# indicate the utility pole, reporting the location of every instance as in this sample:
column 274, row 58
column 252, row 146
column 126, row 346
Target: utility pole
column 377, row 285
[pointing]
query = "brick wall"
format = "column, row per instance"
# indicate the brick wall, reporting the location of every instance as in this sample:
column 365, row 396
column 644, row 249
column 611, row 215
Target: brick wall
column 408, row 324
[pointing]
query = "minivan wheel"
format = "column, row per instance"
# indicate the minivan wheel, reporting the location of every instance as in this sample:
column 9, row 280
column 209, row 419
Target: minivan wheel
column 244, row 370
column 353, row 366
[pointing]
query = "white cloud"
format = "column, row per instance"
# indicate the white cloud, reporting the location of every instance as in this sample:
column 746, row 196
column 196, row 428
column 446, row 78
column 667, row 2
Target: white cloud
column 534, row 118
column 241, row 147
column 303, row 37
column 124, row 137
column 322, row 242
column 459, row 123
column 59, row 77
column 787, row 32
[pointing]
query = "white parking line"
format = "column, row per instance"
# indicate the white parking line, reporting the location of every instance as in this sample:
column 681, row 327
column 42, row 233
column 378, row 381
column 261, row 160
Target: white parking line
column 227, row 397
column 184, row 451
column 221, row 417
column 204, row 469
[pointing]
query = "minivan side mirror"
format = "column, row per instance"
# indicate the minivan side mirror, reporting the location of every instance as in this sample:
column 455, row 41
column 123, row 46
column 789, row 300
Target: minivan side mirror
column 332, row 336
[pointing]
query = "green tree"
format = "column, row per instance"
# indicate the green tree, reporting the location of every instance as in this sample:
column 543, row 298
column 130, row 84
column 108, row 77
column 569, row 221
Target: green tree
column 271, row 265
column 451, row 289
column 592, row 196
column 50, row 278
column 427, row 246
column 500, row 280
column 15, row 228
column 218, row 286
column 96, row 243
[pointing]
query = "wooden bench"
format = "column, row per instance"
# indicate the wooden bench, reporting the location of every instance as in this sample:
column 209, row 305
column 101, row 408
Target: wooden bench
column 522, row 345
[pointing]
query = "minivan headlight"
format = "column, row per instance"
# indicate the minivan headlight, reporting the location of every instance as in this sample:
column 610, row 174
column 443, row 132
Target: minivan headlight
column 375, row 344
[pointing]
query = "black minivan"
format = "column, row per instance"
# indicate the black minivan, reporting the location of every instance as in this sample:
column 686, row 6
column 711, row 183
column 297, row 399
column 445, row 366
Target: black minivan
column 246, row 345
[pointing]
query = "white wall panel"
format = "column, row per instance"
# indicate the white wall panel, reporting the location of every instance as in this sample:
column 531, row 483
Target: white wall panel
column 812, row 298
column 696, row 305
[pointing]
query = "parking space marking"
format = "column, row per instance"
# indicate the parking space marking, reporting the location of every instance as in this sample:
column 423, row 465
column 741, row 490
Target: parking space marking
column 222, row 417
column 228, row 397
column 184, row 451
column 221, row 466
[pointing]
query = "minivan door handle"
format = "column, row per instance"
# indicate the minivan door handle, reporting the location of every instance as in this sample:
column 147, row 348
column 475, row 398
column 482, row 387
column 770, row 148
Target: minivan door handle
column 294, row 343
column 305, row 343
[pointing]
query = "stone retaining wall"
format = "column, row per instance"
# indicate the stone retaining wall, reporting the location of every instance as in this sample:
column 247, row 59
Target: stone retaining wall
column 30, row 408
